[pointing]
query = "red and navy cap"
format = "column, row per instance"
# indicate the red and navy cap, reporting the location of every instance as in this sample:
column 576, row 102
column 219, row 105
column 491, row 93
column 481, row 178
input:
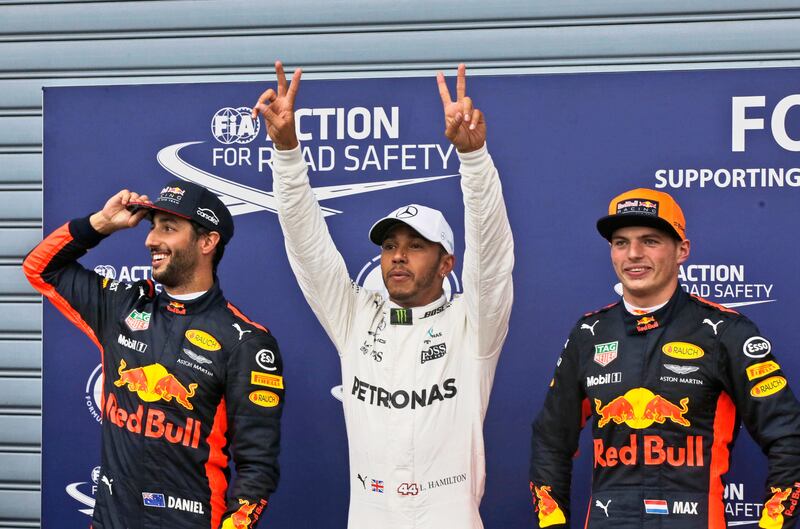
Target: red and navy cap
column 193, row 202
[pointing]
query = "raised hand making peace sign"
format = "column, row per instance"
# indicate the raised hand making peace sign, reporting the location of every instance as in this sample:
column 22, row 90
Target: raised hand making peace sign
column 464, row 125
column 278, row 109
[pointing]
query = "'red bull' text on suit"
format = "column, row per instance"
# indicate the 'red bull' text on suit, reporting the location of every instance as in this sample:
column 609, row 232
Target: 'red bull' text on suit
column 667, row 391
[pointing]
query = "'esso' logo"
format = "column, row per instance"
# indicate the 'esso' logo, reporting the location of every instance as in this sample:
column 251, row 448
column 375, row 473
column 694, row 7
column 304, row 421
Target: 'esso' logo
column 757, row 347
column 234, row 125
column 266, row 360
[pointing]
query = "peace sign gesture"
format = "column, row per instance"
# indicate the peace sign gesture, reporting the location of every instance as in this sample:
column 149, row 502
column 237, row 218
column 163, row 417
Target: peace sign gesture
column 278, row 109
column 464, row 125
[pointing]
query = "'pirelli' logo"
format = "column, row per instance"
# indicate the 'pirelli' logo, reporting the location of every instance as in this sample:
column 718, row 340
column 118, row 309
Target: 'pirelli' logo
column 265, row 379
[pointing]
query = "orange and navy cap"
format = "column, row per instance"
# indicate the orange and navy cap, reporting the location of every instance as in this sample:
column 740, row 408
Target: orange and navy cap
column 643, row 207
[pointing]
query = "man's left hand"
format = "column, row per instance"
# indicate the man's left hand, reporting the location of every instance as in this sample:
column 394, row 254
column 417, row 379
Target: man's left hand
column 464, row 125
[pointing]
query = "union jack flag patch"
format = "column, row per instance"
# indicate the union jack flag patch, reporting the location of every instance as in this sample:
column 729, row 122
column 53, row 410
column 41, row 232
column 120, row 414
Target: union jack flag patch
column 377, row 485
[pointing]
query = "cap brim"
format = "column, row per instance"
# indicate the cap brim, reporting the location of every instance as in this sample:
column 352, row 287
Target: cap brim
column 134, row 206
column 611, row 223
column 379, row 230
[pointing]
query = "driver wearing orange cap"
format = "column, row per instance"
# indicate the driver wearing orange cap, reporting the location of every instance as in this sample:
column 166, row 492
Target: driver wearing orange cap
column 667, row 377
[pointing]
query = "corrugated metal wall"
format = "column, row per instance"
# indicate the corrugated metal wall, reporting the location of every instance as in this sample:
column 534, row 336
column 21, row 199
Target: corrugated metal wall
column 46, row 43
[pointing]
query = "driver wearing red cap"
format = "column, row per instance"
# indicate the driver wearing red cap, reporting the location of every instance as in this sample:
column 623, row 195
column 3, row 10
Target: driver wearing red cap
column 667, row 378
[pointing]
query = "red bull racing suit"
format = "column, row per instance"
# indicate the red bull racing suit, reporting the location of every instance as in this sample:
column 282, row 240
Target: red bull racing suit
column 186, row 384
column 667, row 391
column 416, row 382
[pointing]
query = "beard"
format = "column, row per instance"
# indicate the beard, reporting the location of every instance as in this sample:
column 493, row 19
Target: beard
column 421, row 283
column 180, row 269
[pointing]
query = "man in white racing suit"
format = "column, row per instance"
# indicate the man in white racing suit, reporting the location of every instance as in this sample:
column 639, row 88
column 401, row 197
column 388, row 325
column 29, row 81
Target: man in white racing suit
column 417, row 369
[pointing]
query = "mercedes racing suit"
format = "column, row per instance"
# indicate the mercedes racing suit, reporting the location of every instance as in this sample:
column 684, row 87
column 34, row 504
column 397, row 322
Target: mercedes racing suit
column 416, row 381
column 667, row 391
column 185, row 383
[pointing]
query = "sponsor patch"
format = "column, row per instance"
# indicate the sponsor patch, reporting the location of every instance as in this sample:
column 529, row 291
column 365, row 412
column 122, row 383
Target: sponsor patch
column 768, row 387
column 646, row 323
column 266, row 360
column 171, row 194
column 203, row 340
column 436, row 351
column 638, row 205
column 599, row 380
column 130, row 343
column 761, row 369
column 656, row 507
column 153, row 499
column 681, row 370
column 138, row 321
column 756, row 347
column 209, row 215
column 400, row 317
column 605, row 353
column 176, row 307
column 683, row 350
column 265, row 379
column 264, row 398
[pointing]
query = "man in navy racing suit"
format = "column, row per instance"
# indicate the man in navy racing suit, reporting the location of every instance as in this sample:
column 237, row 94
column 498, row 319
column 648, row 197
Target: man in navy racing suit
column 667, row 378
column 188, row 379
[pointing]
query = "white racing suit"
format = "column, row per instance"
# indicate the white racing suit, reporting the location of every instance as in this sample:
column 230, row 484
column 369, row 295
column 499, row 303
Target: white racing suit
column 416, row 381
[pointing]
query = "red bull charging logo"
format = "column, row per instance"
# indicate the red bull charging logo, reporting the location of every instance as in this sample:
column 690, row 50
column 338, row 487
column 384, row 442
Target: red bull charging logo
column 246, row 515
column 639, row 408
column 772, row 514
column 549, row 511
column 153, row 383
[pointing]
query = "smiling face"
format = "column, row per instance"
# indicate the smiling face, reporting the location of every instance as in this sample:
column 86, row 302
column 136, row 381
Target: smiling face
column 646, row 261
column 175, row 251
column 413, row 267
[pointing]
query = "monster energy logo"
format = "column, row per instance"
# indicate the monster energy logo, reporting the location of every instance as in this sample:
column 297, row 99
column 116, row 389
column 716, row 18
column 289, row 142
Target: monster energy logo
column 400, row 317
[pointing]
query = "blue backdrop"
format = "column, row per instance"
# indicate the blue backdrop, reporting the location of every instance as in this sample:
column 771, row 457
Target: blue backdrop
column 564, row 145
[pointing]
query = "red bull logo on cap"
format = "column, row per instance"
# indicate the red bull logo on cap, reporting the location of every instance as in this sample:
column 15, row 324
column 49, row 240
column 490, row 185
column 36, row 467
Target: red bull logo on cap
column 639, row 408
column 153, row 383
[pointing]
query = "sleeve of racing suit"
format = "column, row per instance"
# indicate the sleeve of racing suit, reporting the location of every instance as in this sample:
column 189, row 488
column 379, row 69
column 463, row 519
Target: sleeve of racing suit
column 771, row 413
column 317, row 264
column 253, row 406
column 52, row 269
column 488, row 252
column 556, row 432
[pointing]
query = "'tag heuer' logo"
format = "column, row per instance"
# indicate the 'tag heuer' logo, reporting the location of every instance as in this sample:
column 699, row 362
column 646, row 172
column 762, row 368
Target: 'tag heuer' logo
column 605, row 353
column 639, row 408
column 153, row 383
column 138, row 321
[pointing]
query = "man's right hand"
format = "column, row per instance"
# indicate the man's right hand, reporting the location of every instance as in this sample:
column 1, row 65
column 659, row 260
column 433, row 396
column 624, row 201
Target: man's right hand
column 115, row 214
column 278, row 109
